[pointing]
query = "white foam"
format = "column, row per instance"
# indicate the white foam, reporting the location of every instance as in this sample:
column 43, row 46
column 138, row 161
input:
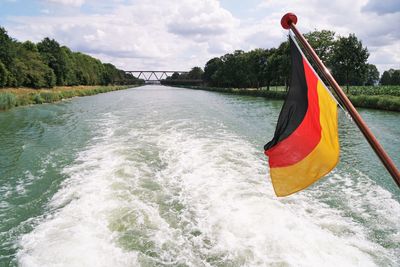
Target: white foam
column 174, row 194
column 225, row 183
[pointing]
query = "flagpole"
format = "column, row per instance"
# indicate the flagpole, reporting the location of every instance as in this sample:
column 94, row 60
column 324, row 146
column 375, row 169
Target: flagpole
column 289, row 21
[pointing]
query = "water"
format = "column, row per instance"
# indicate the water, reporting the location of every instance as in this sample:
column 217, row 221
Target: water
column 159, row 176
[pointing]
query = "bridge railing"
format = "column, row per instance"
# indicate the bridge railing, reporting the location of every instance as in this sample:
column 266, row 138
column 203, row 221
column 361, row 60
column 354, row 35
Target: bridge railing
column 154, row 75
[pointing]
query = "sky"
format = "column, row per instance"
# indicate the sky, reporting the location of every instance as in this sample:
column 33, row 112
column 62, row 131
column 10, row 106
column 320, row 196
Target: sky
column 180, row 34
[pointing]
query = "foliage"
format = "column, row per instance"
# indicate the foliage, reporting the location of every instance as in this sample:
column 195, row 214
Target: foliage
column 349, row 61
column 3, row 75
column 55, row 58
column 7, row 101
column 47, row 64
column 390, row 77
column 32, row 71
column 378, row 102
column 20, row 97
column 195, row 73
column 323, row 43
column 256, row 68
column 345, row 56
column 372, row 75
column 193, row 77
column 375, row 90
column 210, row 69
column 7, row 51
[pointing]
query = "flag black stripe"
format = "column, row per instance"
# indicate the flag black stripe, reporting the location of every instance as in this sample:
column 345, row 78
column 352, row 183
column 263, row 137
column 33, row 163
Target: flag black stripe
column 295, row 106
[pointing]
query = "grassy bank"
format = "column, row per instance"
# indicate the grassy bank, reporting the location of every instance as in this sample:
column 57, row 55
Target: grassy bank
column 14, row 97
column 278, row 93
column 383, row 102
column 384, row 98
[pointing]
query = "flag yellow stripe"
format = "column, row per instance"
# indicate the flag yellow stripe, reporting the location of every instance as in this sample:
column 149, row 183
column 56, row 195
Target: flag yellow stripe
column 290, row 179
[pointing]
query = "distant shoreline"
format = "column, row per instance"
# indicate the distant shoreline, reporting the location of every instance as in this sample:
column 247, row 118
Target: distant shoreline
column 380, row 102
column 15, row 97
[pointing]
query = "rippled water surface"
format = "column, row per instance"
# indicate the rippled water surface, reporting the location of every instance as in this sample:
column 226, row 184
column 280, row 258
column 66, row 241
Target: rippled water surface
column 160, row 176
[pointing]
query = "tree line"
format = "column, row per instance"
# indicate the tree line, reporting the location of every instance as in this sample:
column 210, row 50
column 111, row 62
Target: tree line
column 390, row 77
column 48, row 64
column 346, row 58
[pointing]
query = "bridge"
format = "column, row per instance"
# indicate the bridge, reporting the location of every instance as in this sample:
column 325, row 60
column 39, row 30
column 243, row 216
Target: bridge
column 153, row 76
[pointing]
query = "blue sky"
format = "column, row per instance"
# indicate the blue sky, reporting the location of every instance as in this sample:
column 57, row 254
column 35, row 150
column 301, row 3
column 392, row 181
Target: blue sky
column 179, row 34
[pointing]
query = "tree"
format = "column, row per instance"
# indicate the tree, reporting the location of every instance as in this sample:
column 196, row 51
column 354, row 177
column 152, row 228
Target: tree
column 372, row 75
column 390, row 77
column 175, row 76
column 3, row 75
column 55, row 58
column 7, row 51
column 349, row 61
column 47, row 63
column 235, row 70
column 395, row 77
column 322, row 42
column 89, row 71
column 112, row 75
column 195, row 73
column 386, row 78
column 29, row 46
column 270, row 72
column 257, row 67
column 282, row 64
column 32, row 71
column 69, row 76
column 210, row 70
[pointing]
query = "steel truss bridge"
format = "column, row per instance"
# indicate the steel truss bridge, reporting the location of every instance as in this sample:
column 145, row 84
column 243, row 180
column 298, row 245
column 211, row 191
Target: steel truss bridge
column 150, row 76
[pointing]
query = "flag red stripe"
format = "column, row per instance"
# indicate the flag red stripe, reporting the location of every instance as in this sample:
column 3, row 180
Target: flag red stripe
column 307, row 136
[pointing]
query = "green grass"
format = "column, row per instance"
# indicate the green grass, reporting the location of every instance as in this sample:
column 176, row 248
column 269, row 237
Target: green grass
column 7, row 101
column 393, row 90
column 376, row 97
column 10, row 98
column 384, row 102
column 274, row 94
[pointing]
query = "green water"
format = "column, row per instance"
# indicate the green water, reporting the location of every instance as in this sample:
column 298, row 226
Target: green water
column 160, row 176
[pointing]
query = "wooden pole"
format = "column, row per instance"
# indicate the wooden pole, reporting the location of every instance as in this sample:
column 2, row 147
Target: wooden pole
column 289, row 21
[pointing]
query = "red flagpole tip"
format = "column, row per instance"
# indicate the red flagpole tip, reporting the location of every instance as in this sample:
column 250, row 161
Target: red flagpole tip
column 288, row 19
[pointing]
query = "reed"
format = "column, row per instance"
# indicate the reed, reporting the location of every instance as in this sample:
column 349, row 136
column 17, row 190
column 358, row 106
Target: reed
column 14, row 97
column 7, row 101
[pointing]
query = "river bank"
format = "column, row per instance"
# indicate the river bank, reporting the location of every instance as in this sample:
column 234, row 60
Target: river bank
column 14, row 97
column 381, row 102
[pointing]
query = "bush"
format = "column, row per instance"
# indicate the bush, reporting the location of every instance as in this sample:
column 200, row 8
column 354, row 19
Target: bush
column 37, row 99
column 3, row 75
column 50, row 97
column 7, row 101
column 23, row 100
column 393, row 90
column 378, row 102
column 67, row 94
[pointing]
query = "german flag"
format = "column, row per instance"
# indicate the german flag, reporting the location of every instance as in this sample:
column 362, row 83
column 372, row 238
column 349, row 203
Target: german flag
column 305, row 146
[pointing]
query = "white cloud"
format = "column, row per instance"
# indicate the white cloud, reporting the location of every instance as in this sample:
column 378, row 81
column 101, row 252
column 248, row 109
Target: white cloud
column 178, row 34
column 375, row 29
column 157, row 34
column 206, row 18
column 68, row 2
